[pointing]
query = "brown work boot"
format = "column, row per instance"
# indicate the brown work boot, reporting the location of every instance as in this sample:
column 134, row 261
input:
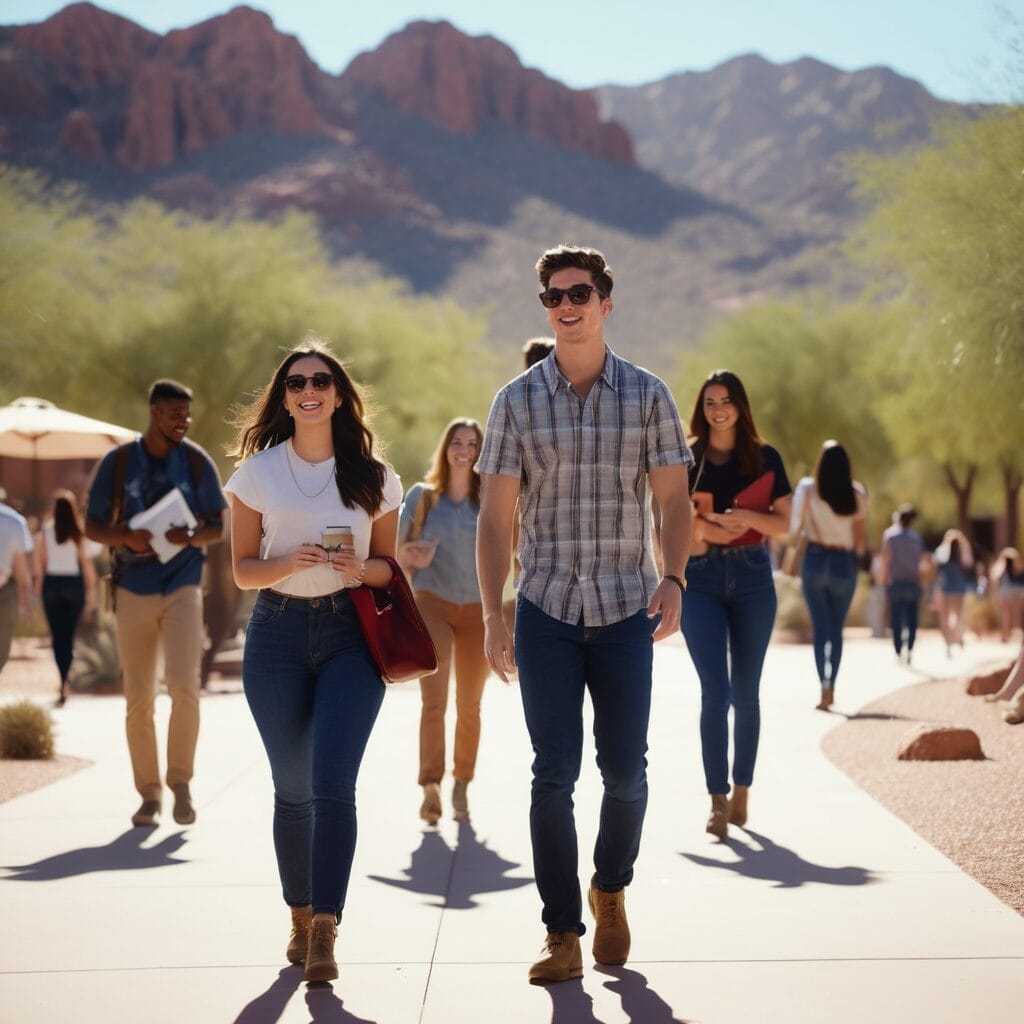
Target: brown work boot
column 184, row 810
column 320, row 962
column 611, row 929
column 560, row 959
column 738, row 805
column 430, row 809
column 298, row 941
column 147, row 814
column 826, row 699
column 460, row 802
column 718, row 820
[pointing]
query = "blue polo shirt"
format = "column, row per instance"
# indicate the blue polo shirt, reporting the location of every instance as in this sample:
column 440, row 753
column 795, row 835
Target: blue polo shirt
column 146, row 481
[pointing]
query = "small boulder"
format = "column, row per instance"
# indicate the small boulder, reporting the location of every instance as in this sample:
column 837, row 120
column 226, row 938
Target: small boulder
column 988, row 680
column 941, row 743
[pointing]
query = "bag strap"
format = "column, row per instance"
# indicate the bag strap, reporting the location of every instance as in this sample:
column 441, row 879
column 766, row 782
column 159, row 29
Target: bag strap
column 428, row 499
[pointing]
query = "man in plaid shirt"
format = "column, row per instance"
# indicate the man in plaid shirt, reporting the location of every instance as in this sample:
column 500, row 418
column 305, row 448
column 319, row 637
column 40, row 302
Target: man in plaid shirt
column 576, row 440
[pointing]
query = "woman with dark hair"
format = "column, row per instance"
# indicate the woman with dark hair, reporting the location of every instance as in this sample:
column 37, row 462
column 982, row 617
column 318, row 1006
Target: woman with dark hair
column 954, row 564
column 65, row 579
column 1007, row 576
column 308, row 472
column 830, row 506
column 902, row 557
column 741, row 495
column 437, row 548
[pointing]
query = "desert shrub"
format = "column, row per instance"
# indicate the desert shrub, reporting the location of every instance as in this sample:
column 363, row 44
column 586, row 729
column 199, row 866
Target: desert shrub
column 26, row 731
column 792, row 616
column 97, row 665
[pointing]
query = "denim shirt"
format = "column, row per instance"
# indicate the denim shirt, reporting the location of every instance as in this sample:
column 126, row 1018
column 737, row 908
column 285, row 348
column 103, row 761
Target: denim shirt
column 452, row 573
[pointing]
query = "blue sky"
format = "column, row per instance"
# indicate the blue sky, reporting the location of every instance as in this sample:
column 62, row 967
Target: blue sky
column 958, row 49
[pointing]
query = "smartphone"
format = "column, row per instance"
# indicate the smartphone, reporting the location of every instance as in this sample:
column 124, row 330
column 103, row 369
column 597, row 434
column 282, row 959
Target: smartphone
column 335, row 537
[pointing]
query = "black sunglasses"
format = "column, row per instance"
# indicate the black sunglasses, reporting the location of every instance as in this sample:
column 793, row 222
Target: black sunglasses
column 579, row 295
column 297, row 382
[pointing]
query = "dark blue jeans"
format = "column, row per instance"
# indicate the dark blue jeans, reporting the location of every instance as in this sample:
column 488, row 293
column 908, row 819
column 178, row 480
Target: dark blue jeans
column 829, row 578
column 314, row 692
column 63, row 602
column 558, row 662
column 728, row 614
column 904, row 596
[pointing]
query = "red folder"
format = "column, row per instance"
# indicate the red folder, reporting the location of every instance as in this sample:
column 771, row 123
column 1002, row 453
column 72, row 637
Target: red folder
column 757, row 497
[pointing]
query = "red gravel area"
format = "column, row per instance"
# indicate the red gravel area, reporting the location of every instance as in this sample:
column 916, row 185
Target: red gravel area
column 972, row 811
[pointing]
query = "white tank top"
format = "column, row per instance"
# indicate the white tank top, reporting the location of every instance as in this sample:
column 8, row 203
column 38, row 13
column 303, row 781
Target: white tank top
column 61, row 559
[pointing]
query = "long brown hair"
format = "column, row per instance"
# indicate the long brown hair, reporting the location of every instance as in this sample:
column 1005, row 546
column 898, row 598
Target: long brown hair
column 265, row 422
column 748, row 441
column 833, row 477
column 66, row 523
column 439, row 474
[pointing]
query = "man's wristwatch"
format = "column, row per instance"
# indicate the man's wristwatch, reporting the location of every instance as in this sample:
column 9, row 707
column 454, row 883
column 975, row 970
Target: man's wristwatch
column 679, row 581
column 191, row 531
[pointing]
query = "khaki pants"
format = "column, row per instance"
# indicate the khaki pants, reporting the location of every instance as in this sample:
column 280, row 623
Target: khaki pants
column 461, row 626
column 175, row 622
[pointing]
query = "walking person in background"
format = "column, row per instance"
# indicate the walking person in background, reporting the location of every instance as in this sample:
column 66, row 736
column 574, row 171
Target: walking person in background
column 157, row 598
column 1007, row 576
column 742, row 495
column 437, row 549
column 579, row 441
column 15, row 573
column 902, row 551
column 308, row 466
column 65, row 580
column 830, row 506
column 954, row 563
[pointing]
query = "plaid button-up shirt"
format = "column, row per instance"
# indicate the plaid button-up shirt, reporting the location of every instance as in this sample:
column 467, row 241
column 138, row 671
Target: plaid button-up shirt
column 585, row 533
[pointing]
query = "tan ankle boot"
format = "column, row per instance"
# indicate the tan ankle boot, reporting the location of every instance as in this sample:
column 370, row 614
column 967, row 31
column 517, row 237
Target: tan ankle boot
column 460, row 801
column 560, row 959
column 718, row 821
column 738, row 805
column 826, row 699
column 430, row 809
column 298, row 941
column 320, row 962
column 611, row 929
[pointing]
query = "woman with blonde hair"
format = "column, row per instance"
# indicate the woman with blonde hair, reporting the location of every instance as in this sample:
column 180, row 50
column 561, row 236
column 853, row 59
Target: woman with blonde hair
column 437, row 548
column 65, row 579
column 309, row 471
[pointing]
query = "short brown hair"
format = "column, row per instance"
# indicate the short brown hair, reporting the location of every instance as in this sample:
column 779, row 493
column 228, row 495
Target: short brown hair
column 536, row 349
column 565, row 255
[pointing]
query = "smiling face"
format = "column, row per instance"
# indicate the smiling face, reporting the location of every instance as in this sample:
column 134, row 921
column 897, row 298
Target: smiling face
column 310, row 406
column 171, row 418
column 463, row 449
column 719, row 410
column 577, row 324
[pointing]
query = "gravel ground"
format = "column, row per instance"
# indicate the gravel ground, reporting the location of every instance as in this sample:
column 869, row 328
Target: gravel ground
column 972, row 811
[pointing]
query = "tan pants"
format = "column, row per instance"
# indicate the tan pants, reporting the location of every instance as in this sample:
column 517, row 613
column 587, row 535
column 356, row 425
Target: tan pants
column 175, row 622
column 461, row 626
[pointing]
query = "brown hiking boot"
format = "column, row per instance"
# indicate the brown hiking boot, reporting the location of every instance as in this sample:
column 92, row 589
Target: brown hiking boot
column 738, row 805
column 320, row 962
column 460, row 802
column 147, row 814
column 718, row 820
column 430, row 809
column 184, row 811
column 560, row 959
column 611, row 929
column 298, row 941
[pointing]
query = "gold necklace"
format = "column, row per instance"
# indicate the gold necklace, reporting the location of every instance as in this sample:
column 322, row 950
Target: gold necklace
column 295, row 480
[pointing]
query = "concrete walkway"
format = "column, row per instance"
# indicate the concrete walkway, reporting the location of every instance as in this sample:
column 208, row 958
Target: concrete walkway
column 826, row 909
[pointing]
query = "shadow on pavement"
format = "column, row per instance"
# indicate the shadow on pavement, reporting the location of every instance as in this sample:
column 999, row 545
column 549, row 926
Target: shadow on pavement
column 456, row 875
column 640, row 1003
column 324, row 1006
column 784, row 867
column 125, row 853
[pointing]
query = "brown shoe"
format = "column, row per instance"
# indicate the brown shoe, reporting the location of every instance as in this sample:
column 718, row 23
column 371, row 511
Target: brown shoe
column 718, row 820
column 184, row 810
column 298, row 941
column 738, row 805
column 826, row 699
column 320, row 962
column 560, row 959
column 611, row 929
column 430, row 809
column 147, row 814
column 460, row 802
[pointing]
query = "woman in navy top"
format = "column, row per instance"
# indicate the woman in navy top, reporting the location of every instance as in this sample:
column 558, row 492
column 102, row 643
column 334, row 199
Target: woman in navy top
column 741, row 494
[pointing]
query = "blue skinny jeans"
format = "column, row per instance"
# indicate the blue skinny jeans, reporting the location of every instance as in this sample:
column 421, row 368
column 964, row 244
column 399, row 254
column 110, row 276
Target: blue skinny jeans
column 829, row 577
column 314, row 692
column 728, row 615
column 904, row 597
column 559, row 662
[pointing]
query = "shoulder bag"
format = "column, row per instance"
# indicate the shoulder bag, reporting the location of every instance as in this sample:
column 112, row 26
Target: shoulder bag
column 793, row 559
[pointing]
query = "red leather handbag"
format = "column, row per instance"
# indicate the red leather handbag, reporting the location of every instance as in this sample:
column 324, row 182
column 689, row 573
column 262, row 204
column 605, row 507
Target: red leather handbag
column 394, row 629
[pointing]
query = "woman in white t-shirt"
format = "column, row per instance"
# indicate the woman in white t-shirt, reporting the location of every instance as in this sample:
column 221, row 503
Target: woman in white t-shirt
column 307, row 465
column 65, row 579
column 830, row 506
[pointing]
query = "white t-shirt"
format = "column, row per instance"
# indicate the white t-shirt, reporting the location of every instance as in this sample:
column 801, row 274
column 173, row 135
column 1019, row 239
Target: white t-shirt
column 61, row 559
column 823, row 525
column 297, row 500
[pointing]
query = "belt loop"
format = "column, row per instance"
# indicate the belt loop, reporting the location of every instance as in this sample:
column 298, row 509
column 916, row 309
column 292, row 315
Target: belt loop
column 334, row 606
column 284, row 601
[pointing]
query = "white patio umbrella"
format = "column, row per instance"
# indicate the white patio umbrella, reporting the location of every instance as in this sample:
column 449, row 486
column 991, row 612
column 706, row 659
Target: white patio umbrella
column 34, row 428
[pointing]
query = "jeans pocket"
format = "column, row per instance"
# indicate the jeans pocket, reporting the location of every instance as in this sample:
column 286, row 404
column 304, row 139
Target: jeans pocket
column 756, row 556
column 266, row 609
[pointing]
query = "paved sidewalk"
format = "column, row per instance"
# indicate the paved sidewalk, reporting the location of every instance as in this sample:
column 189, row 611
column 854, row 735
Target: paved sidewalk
column 826, row 909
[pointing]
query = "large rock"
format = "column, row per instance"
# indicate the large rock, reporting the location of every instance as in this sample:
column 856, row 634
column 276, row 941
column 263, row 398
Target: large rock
column 988, row 680
column 941, row 743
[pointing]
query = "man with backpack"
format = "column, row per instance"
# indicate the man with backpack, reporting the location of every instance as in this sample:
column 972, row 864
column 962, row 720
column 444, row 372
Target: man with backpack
column 157, row 596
